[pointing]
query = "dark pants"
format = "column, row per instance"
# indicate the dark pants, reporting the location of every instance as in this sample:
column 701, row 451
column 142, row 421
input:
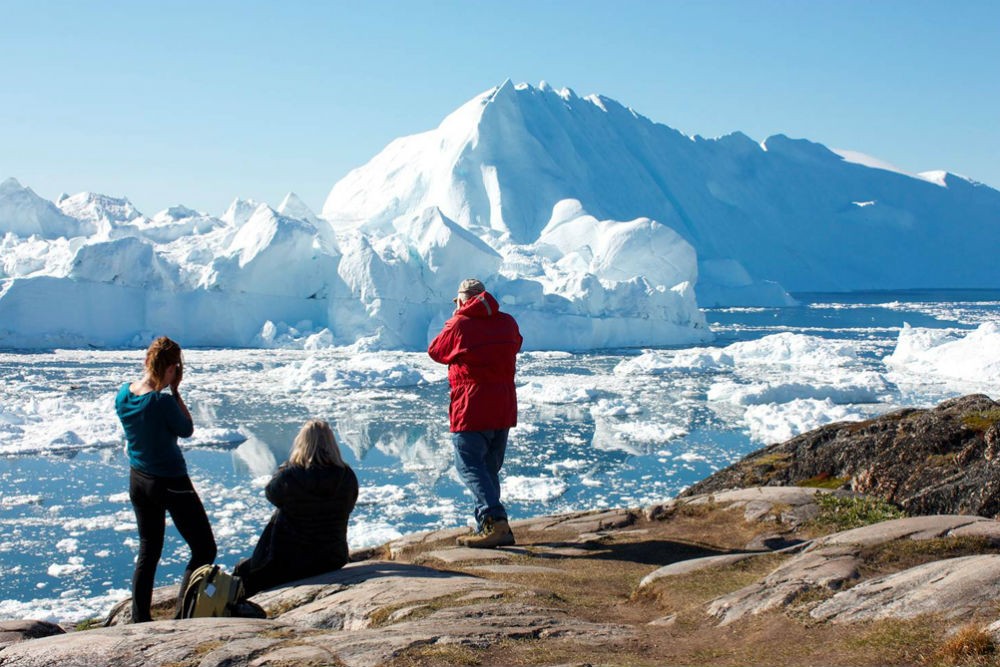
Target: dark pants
column 478, row 458
column 152, row 497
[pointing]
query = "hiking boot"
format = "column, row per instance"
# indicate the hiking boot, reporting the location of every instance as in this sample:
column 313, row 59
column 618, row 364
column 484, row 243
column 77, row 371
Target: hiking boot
column 494, row 533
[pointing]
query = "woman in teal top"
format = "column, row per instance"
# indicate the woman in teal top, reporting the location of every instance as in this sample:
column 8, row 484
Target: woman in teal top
column 158, row 481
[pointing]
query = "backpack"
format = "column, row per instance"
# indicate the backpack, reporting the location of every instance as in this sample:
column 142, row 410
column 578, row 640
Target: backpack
column 213, row 593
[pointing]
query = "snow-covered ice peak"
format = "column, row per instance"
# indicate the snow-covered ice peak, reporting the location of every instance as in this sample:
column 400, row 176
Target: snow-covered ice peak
column 99, row 209
column 176, row 213
column 292, row 206
column 10, row 185
column 239, row 212
column 24, row 214
column 868, row 161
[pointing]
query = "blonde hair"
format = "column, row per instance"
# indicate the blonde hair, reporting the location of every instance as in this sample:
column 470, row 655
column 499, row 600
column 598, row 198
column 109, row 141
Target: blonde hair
column 315, row 445
column 161, row 355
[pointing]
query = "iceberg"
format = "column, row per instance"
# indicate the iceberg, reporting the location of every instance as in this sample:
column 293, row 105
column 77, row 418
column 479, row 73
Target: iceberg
column 593, row 225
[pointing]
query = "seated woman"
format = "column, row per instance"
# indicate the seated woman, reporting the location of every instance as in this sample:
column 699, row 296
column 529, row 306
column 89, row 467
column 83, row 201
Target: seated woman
column 314, row 492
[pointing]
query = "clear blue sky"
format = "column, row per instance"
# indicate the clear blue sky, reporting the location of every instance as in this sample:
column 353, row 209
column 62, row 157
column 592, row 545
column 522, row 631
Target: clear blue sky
column 199, row 102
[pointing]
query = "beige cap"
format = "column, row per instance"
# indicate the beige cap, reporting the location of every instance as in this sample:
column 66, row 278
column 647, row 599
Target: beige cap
column 471, row 287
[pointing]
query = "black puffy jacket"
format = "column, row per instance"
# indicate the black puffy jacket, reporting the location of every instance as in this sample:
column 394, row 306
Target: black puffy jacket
column 310, row 524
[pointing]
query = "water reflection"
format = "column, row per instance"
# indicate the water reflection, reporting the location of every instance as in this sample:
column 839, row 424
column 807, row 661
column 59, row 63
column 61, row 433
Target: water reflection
column 254, row 457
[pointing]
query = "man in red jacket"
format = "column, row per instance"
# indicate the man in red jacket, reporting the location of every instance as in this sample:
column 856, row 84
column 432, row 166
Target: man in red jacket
column 480, row 345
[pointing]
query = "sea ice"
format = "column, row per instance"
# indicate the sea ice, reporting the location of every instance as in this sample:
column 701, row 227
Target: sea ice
column 777, row 422
column 533, row 489
column 971, row 357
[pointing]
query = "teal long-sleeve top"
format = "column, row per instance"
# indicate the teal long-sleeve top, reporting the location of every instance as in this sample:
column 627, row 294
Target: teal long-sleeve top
column 152, row 424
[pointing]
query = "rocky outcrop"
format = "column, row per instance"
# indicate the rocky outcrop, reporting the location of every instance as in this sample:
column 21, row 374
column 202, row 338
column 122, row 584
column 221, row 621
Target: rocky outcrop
column 944, row 460
column 950, row 587
column 360, row 616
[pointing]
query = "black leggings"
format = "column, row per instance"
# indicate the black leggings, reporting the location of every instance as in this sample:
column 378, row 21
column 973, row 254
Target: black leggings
column 152, row 497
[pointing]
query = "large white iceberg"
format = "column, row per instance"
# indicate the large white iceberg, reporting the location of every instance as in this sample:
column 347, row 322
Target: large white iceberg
column 594, row 226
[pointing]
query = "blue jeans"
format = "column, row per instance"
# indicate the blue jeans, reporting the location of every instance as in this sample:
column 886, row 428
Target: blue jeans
column 478, row 458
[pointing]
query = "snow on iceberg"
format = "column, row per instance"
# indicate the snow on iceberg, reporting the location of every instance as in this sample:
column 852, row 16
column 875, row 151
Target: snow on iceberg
column 25, row 214
column 971, row 357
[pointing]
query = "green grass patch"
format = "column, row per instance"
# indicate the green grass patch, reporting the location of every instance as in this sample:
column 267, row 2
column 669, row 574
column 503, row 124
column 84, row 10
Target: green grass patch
column 981, row 421
column 89, row 624
column 897, row 555
column 825, row 481
column 837, row 513
column 772, row 460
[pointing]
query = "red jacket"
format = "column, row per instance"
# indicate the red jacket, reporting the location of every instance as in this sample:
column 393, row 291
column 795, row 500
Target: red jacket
column 479, row 344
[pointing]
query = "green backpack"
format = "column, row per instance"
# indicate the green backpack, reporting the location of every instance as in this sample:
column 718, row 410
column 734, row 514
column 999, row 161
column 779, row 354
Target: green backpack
column 213, row 593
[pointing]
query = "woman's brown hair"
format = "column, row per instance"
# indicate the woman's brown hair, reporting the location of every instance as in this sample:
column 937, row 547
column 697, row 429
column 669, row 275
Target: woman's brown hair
column 315, row 445
column 161, row 355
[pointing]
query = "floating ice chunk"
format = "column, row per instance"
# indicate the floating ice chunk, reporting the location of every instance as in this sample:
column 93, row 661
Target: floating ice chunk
column 364, row 370
column 972, row 357
column 697, row 359
column 532, row 489
column 362, row 534
column 17, row 501
column 74, row 565
column 614, row 407
column 778, row 422
column 861, row 387
column 61, row 609
column 556, row 391
column 381, row 495
column 214, row 436
column 68, row 545
column 794, row 350
column 637, row 438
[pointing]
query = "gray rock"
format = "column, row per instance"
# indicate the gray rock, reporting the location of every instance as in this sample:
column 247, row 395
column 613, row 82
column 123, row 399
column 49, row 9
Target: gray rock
column 348, row 598
column 692, row 565
column 829, row 568
column 914, row 528
column 987, row 529
column 223, row 642
column 163, row 606
column 788, row 505
column 466, row 554
column 139, row 645
column 479, row 626
column 12, row 632
column 592, row 522
column 954, row 587
column 773, row 495
column 415, row 541
column 659, row 511
column 560, row 550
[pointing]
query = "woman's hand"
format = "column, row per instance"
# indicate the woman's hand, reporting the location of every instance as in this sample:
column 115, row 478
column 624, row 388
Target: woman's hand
column 178, row 376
